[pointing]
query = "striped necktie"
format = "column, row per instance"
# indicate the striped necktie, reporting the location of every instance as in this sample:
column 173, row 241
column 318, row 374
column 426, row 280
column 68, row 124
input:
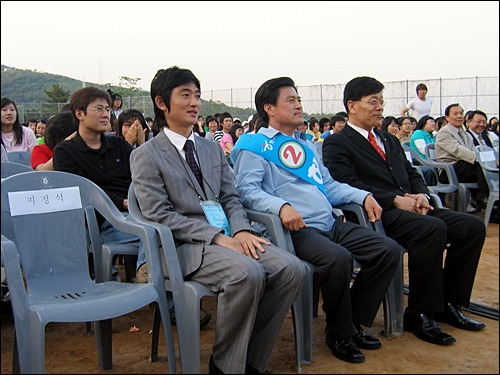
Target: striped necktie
column 188, row 149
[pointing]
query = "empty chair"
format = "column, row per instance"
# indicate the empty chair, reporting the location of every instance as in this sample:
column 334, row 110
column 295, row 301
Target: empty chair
column 21, row 157
column 49, row 279
column 488, row 159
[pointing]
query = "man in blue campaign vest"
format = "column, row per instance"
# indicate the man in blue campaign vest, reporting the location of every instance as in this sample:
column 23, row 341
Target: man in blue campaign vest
column 281, row 173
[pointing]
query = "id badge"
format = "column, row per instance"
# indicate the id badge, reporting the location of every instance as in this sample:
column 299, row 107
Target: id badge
column 216, row 215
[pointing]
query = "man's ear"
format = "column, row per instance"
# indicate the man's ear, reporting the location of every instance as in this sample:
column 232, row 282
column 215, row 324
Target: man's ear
column 160, row 103
column 79, row 114
column 269, row 109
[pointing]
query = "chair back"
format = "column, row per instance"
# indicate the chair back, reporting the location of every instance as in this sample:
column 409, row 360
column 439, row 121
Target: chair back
column 487, row 158
column 21, row 157
column 52, row 209
column 319, row 148
column 430, row 151
column 10, row 168
column 416, row 159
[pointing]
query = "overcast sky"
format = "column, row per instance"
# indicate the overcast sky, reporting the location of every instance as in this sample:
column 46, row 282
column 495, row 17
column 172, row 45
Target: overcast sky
column 242, row 44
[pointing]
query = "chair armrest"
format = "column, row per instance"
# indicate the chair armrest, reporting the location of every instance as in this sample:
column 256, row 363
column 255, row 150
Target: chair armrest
column 359, row 211
column 12, row 266
column 436, row 201
column 279, row 234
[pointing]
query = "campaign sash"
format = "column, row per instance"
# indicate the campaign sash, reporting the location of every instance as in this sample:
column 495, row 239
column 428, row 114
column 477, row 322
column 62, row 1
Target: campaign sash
column 286, row 152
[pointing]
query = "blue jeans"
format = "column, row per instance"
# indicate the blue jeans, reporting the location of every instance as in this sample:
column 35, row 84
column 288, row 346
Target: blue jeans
column 111, row 234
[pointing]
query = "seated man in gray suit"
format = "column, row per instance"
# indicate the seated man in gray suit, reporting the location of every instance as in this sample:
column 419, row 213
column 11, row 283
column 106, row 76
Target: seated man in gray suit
column 176, row 177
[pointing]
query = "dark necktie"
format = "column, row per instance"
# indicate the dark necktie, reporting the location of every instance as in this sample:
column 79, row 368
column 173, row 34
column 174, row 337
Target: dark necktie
column 371, row 139
column 188, row 148
column 462, row 136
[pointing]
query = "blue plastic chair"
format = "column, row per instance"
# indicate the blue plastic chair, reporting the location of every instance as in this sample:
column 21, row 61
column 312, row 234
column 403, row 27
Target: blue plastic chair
column 48, row 270
column 488, row 158
column 463, row 187
column 10, row 168
column 306, row 306
column 21, row 157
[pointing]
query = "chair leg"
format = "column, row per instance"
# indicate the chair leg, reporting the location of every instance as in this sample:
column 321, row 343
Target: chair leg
column 104, row 343
column 155, row 335
column 130, row 263
column 487, row 211
column 394, row 303
column 16, row 369
column 316, row 289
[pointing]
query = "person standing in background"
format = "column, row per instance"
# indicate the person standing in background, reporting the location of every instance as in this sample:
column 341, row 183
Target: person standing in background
column 420, row 106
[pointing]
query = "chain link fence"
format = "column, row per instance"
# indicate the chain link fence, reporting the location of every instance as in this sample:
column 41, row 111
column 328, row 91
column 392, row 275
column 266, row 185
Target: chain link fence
column 325, row 100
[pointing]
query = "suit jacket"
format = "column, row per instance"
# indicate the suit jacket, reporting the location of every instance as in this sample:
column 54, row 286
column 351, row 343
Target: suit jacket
column 168, row 193
column 486, row 139
column 350, row 158
column 450, row 147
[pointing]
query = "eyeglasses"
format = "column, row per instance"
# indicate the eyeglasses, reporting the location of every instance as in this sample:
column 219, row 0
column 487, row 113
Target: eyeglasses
column 373, row 102
column 100, row 109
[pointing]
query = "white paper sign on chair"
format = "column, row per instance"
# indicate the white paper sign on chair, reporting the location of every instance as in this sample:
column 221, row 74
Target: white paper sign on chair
column 44, row 201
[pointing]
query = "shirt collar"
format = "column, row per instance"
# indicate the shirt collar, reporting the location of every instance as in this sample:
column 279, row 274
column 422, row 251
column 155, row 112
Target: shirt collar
column 178, row 140
column 361, row 131
column 271, row 132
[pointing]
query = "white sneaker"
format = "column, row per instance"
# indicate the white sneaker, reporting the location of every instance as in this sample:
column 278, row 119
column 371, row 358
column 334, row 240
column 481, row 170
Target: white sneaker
column 470, row 209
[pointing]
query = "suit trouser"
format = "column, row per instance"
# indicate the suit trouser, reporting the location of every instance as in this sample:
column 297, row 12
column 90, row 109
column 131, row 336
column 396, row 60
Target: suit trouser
column 254, row 297
column 467, row 172
column 332, row 253
column 426, row 236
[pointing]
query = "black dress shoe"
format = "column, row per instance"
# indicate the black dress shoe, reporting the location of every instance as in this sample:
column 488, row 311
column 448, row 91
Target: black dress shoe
column 344, row 348
column 425, row 328
column 212, row 368
column 363, row 340
column 252, row 370
column 454, row 316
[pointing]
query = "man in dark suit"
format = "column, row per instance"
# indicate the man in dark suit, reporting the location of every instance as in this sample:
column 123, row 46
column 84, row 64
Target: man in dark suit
column 374, row 160
column 178, row 175
column 477, row 127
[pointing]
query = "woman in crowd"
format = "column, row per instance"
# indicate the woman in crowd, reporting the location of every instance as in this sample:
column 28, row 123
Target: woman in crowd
column 133, row 127
column 15, row 137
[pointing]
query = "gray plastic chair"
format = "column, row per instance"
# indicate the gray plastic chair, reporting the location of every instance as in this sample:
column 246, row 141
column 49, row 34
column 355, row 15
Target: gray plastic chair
column 463, row 187
column 488, row 158
column 47, row 267
column 306, row 306
column 21, row 157
column 187, row 298
column 450, row 188
column 10, row 168
column 187, row 295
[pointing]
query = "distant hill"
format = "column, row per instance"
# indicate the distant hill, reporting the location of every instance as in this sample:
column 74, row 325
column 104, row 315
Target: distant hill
column 23, row 85
column 27, row 86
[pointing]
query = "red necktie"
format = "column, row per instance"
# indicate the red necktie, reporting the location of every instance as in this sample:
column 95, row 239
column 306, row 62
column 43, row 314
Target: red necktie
column 371, row 139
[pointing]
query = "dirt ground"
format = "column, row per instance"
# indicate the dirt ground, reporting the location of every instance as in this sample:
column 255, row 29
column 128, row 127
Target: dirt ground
column 69, row 350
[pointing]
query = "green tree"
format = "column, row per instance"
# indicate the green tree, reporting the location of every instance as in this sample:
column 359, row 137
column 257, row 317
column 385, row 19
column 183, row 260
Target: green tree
column 56, row 94
column 128, row 86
